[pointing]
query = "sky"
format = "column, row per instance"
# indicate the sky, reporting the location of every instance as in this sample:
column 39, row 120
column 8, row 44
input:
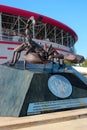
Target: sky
column 73, row 13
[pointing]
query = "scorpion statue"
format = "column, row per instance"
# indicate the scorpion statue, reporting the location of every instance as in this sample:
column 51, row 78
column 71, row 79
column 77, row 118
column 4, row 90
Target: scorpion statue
column 37, row 54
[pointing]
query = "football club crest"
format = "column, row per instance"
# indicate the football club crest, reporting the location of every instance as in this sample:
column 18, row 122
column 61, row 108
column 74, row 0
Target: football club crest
column 59, row 86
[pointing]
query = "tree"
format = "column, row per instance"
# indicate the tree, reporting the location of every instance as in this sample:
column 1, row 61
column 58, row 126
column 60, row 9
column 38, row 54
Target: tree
column 84, row 64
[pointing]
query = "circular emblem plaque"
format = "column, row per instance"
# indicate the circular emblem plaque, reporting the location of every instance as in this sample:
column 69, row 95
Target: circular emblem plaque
column 60, row 86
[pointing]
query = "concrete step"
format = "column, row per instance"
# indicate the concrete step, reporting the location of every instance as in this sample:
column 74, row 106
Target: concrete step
column 66, row 120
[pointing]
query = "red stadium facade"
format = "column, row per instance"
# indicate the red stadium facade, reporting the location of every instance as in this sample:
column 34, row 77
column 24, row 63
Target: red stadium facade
column 46, row 31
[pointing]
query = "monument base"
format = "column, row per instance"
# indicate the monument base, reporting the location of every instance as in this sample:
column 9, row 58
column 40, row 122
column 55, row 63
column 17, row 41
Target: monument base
column 24, row 92
column 46, row 101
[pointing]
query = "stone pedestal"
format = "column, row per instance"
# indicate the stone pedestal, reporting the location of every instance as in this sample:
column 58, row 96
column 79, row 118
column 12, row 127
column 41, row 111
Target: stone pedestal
column 24, row 92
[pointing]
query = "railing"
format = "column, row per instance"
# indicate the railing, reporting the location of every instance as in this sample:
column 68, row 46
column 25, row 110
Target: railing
column 14, row 38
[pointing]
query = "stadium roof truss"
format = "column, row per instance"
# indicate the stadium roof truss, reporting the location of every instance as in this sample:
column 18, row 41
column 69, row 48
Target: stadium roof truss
column 40, row 30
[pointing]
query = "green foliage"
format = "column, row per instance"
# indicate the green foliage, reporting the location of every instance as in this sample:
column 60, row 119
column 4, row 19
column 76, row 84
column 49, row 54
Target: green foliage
column 84, row 64
column 69, row 63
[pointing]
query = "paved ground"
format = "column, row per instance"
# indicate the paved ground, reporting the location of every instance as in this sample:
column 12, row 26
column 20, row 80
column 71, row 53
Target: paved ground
column 66, row 120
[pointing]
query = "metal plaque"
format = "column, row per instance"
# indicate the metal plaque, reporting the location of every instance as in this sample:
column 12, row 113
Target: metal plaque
column 60, row 86
column 39, row 107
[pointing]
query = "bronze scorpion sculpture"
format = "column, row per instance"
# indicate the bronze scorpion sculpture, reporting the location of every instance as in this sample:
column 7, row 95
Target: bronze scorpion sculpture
column 36, row 54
